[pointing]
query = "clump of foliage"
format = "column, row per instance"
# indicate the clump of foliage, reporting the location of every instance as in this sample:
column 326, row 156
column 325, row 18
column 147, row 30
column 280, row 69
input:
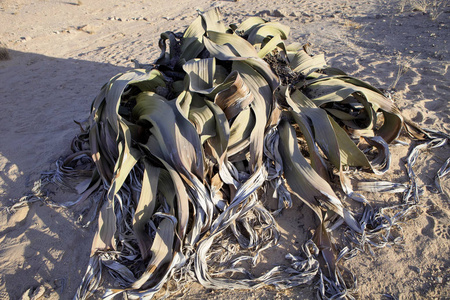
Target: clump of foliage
column 178, row 156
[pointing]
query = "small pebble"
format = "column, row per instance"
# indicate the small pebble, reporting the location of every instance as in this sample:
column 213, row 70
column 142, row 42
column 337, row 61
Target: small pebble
column 306, row 14
column 278, row 14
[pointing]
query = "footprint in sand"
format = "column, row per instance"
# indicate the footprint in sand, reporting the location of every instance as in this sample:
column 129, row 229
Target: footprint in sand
column 443, row 231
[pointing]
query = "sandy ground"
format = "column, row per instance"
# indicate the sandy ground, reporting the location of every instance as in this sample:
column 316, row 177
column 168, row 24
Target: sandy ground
column 62, row 52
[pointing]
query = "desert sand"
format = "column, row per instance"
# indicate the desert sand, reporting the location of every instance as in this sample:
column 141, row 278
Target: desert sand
column 62, row 52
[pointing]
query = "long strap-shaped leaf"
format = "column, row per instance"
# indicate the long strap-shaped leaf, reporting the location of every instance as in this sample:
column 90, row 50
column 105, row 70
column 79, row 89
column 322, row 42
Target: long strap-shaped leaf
column 306, row 112
column 305, row 182
column 176, row 135
column 146, row 207
column 342, row 87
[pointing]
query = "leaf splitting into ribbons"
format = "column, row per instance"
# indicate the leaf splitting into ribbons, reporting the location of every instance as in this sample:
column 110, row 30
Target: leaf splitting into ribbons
column 317, row 127
column 146, row 207
column 339, row 88
column 305, row 182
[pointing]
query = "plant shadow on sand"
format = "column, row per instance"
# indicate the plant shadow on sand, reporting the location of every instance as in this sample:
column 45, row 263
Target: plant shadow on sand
column 41, row 95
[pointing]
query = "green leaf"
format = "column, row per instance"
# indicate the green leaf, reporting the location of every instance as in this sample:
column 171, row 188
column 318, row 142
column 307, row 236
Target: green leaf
column 145, row 208
column 201, row 74
column 155, row 79
column 191, row 44
column 258, row 33
column 104, row 237
column 204, row 121
column 301, row 177
column 161, row 254
column 305, row 182
column 274, row 42
column 227, row 46
column 213, row 20
column 176, row 135
column 261, row 105
column 303, row 63
column 340, row 88
column 248, row 24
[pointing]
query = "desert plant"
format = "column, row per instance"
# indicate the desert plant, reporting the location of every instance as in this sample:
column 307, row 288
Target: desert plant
column 177, row 158
column 404, row 65
column 432, row 7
